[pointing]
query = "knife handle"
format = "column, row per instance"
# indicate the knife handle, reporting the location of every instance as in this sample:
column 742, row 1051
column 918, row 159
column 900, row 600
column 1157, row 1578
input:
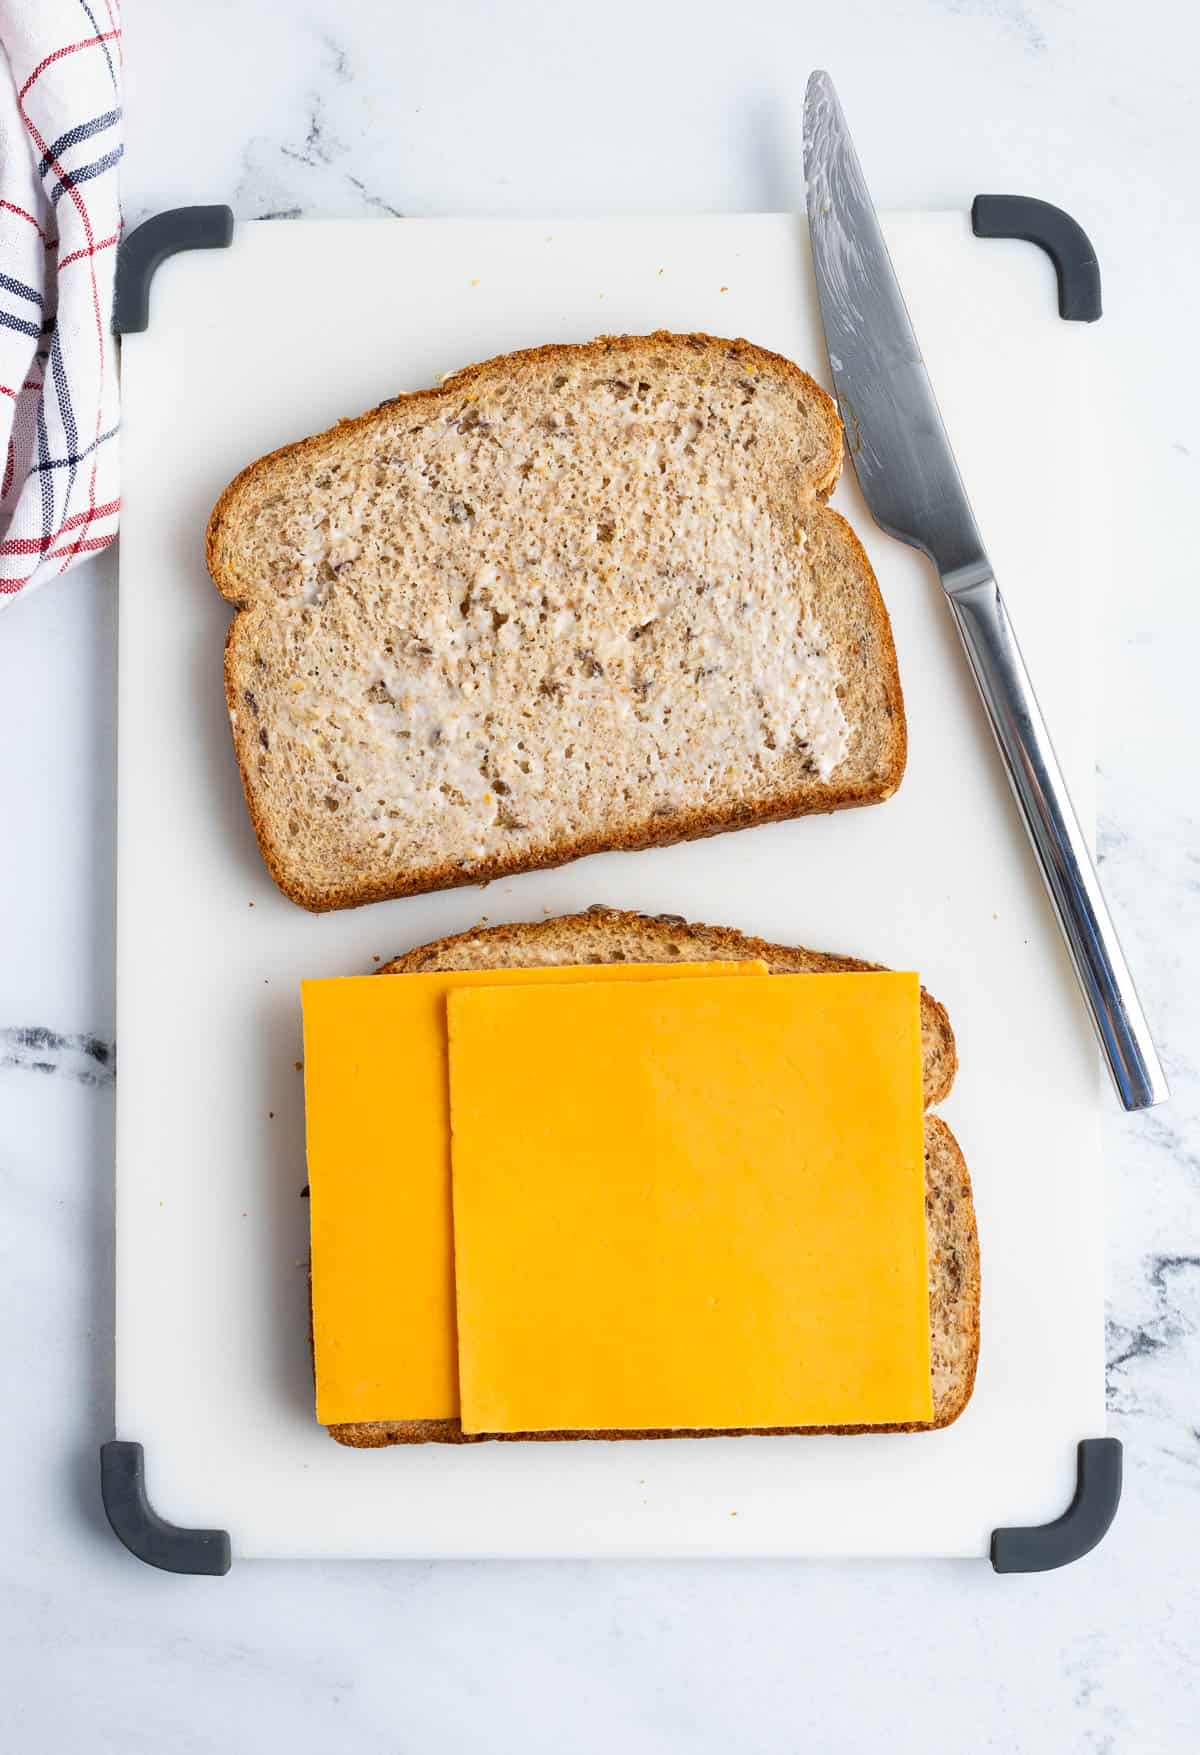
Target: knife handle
column 1058, row 841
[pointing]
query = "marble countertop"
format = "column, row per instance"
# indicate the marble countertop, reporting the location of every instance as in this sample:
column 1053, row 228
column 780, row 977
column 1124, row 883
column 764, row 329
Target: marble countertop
column 643, row 106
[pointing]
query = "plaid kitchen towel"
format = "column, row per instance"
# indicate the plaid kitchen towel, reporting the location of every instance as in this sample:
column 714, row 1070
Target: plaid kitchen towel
column 60, row 219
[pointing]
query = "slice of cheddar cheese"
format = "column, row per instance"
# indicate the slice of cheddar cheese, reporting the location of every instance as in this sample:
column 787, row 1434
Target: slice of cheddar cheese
column 378, row 1127
column 690, row 1205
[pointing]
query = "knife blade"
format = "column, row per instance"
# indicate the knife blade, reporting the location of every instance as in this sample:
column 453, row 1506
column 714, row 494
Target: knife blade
column 910, row 480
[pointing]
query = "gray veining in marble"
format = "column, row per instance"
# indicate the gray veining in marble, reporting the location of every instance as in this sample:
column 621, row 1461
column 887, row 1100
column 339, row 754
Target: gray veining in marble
column 313, row 175
column 469, row 107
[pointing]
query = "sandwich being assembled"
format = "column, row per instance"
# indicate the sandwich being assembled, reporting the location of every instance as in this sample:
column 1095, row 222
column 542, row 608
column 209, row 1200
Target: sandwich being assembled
column 608, row 1176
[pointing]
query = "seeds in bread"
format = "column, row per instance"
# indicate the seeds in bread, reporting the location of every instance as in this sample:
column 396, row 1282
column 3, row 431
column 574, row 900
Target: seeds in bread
column 574, row 599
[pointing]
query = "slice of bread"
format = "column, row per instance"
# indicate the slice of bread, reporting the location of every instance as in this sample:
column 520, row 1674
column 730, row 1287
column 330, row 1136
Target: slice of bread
column 574, row 599
column 607, row 935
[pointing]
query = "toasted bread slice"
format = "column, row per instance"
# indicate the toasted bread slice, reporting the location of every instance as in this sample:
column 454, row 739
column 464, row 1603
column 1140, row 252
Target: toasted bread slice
column 606, row 935
column 574, row 599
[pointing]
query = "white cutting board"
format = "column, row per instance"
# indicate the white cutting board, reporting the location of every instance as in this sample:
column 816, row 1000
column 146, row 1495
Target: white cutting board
column 298, row 324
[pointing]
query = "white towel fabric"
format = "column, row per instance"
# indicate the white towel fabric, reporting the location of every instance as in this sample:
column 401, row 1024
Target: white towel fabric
column 60, row 222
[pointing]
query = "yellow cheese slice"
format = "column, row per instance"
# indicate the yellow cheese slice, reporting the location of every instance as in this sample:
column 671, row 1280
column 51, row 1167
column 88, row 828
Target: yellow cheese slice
column 378, row 1125
column 691, row 1204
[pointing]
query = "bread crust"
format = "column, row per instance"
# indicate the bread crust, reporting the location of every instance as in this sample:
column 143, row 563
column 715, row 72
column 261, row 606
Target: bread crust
column 950, row 1212
column 354, row 890
column 560, row 353
column 663, row 937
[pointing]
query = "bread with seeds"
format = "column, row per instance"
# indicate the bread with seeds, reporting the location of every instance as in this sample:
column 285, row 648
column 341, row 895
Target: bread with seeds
column 573, row 599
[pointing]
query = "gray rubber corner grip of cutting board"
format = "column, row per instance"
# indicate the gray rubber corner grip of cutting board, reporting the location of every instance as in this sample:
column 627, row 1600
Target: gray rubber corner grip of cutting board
column 1085, row 1522
column 1061, row 237
column 143, row 250
column 138, row 1526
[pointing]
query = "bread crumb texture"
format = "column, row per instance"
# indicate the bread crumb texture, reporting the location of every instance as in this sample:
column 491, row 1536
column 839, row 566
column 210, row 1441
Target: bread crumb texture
column 582, row 597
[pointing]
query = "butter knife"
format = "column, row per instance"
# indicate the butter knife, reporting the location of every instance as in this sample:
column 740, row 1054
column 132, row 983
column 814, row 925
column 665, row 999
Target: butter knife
column 910, row 481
